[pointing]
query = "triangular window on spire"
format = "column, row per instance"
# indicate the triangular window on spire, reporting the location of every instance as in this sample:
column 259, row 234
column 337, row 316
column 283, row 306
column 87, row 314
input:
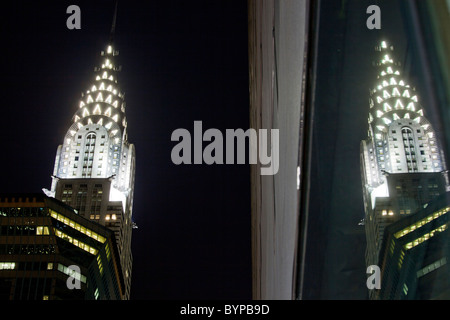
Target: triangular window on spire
column 108, row 99
column 387, row 121
column 109, row 88
column 387, row 107
column 379, row 99
column 417, row 120
column 105, row 75
column 420, row 112
column 108, row 112
column 76, row 118
column 406, row 116
column 85, row 112
column 97, row 78
column 393, row 82
column 89, row 99
column 99, row 97
column 100, row 122
column 81, row 104
column 395, row 92
column 395, row 116
column 102, row 86
column 108, row 125
column 94, row 88
column 97, row 109
column 89, row 121
column 386, row 94
column 399, row 104
column 379, row 113
column 414, row 98
column 115, row 117
column 411, row 106
column 406, row 93
column 115, row 104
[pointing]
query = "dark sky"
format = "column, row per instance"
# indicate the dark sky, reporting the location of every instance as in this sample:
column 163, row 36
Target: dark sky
column 181, row 61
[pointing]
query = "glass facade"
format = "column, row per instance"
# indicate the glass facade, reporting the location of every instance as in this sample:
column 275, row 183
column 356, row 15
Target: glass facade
column 44, row 244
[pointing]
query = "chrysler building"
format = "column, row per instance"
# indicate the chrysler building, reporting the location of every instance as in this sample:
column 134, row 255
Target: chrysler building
column 95, row 164
column 402, row 165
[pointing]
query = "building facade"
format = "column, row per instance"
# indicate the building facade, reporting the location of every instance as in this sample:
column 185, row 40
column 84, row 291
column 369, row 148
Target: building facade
column 402, row 165
column 415, row 254
column 49, row 252
column 95, row 165
column 278, row 33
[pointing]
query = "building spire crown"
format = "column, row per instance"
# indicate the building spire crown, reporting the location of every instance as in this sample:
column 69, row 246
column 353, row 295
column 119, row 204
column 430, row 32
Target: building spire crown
column 393, row 98
column 400, row 137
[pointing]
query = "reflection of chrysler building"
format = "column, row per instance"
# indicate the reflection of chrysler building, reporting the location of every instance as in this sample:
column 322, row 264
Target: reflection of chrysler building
column 94, row 167
column 402, row 165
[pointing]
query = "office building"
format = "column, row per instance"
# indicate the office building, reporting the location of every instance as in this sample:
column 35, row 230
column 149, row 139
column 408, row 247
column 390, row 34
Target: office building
column 49, row 252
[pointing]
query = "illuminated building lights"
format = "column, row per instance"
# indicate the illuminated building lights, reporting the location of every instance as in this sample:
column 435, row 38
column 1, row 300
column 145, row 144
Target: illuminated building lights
column 421, row 222
column 90, row 233
column 425, row 237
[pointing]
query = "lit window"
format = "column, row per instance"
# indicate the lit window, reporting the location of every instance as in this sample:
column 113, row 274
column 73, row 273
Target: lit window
column 42, row 230
column 49, row 265
column 7, row 265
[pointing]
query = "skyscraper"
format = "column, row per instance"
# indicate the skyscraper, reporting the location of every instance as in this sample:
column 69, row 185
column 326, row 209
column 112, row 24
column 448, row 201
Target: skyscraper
column 402, row 165
column 95, row 164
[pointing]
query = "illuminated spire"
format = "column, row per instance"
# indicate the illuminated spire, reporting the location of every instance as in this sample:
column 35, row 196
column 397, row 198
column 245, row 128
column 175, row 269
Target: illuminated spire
column 96, row 142
column 396, row 114
column 400, row 137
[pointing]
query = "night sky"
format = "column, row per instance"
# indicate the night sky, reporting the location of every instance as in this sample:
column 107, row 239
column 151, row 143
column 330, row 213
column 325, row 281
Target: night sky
column 181, row 61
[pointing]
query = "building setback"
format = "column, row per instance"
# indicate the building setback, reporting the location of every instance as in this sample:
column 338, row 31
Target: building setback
column 49, row 252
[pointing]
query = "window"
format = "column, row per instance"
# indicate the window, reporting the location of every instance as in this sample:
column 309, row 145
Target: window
column 42, row 230
column 7, row 265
